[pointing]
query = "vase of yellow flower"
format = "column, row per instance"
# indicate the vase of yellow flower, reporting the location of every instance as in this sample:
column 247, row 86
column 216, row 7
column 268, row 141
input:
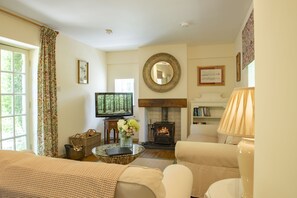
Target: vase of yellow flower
column 126, row 142
column 127, row 128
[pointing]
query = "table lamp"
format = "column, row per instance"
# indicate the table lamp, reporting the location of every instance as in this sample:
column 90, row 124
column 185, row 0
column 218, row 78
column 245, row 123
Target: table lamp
column 238, row 120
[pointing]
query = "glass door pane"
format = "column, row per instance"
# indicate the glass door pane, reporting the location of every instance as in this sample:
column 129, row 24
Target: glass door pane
column 13, row 99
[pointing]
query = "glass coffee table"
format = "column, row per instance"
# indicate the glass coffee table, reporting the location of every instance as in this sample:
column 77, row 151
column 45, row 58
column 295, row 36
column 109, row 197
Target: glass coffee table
column 100, row 153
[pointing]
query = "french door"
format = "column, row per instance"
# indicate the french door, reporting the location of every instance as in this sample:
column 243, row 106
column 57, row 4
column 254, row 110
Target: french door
column 14, row 104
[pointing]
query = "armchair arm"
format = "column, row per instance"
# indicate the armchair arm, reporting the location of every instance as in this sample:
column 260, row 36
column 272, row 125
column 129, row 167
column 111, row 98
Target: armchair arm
column 209, row 154
column 209, row 162
column 178, row 181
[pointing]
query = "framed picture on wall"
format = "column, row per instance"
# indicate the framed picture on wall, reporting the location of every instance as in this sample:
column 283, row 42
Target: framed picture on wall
column 83, row 72
column 238, row 67
column 211, row 75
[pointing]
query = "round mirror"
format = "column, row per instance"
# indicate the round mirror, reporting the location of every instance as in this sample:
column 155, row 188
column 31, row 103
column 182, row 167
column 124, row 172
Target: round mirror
column 161, row 72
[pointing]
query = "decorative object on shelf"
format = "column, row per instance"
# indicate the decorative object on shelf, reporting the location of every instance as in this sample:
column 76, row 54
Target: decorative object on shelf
column 238, row 120
column 161, row 72
column 127, row 128
column 211, row 75
column 238, row 67
column 83, row 72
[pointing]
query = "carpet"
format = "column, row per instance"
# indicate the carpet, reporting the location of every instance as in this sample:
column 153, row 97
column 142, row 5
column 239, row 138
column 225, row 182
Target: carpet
column 152, row 163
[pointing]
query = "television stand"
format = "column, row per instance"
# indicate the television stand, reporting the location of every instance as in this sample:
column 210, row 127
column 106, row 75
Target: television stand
column 111, row 132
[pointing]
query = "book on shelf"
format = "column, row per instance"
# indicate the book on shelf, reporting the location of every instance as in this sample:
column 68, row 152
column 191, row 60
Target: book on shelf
column 206, row 111
column 201, row 111
column 197, row 111
column 199, row 123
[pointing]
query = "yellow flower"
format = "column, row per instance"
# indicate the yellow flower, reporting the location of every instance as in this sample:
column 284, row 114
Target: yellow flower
column 121, row 123
column 133, row 123
column 128, row 127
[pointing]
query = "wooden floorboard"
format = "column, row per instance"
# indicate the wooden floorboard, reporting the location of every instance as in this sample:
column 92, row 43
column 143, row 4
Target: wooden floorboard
column 158, row 154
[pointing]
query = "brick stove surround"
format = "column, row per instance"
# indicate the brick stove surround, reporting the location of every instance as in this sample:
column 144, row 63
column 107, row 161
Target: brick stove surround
column 152, row 111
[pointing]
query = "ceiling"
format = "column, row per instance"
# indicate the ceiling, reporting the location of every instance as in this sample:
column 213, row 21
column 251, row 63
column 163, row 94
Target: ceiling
column 137, row 23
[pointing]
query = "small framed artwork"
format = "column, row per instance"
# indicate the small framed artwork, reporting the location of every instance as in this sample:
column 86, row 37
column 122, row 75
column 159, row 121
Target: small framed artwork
column 211, row 75
column 238, row 67
column 83, row 72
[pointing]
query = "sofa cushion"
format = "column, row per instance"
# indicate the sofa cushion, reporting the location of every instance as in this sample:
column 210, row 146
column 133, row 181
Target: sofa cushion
column 206, row 153
column 142, row 181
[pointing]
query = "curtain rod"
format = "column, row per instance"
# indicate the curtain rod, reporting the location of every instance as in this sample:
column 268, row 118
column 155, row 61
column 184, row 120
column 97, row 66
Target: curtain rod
column 24, row 19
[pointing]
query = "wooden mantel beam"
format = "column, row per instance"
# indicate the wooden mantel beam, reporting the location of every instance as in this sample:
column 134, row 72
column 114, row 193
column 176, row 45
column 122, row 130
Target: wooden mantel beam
column 168, row 102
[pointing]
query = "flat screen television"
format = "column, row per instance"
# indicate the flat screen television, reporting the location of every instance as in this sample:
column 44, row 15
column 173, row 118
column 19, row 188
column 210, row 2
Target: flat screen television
column 111, row 104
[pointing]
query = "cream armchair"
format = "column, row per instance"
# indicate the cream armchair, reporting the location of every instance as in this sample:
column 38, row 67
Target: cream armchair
column 208, row 160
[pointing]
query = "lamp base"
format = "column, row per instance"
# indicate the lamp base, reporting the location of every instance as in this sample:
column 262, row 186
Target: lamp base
column 245, row 157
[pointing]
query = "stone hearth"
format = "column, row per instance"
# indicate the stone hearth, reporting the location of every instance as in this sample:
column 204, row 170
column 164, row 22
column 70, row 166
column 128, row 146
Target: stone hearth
column 153, row 109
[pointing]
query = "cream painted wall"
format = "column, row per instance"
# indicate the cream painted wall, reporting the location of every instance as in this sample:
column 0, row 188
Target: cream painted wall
column 189, row 58
column 76, row 102
column 210, row 55
column 238, row 48
column 130, row 64
column 276, row 96
column 180, row 91
column 123, row 64
column 180, row 53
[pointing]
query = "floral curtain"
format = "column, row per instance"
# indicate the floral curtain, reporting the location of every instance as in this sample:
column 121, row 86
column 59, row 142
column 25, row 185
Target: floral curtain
column 47, row 95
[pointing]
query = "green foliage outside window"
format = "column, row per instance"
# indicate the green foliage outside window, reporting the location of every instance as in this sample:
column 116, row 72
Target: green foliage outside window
column 13, row 100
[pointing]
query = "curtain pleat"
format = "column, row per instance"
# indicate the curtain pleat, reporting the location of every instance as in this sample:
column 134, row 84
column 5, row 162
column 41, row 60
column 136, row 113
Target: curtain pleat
column 47, row 95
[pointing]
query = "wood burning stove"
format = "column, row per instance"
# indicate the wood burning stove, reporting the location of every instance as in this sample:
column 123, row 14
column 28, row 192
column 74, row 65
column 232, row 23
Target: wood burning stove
column 163, row 132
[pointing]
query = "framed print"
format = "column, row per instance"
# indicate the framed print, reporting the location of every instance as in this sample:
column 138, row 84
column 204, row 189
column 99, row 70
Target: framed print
column 83, row 72
column 211, row 75
column 238, row 67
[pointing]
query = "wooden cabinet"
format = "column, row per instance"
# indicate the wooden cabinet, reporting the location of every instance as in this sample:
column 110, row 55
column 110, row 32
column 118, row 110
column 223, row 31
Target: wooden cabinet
column 111, row 132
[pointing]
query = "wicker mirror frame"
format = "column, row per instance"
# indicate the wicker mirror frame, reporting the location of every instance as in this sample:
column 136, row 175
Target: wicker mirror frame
column 146, row 73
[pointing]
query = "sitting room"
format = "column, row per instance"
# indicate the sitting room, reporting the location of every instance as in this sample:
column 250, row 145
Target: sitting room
column 147, row 99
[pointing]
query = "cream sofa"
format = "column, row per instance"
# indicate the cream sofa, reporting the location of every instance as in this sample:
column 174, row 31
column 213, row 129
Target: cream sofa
column 25, row 174
column 208, row 157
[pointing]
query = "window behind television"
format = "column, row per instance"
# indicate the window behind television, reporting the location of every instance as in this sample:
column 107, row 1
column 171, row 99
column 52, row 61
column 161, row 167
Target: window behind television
column 110, row 104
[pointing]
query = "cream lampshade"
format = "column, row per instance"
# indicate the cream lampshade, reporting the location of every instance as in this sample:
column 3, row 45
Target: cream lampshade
column 238, row 120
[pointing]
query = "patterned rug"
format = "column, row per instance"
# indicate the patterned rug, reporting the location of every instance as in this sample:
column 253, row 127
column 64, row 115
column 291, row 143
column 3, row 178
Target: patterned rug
column 152, row 163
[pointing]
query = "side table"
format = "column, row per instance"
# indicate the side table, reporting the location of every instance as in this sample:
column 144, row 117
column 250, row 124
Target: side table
column 111, row 126
column 227, row 188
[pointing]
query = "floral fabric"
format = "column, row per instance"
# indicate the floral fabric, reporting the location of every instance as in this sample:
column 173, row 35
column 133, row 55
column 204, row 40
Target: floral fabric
column 248, row 42
column 47, row 95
